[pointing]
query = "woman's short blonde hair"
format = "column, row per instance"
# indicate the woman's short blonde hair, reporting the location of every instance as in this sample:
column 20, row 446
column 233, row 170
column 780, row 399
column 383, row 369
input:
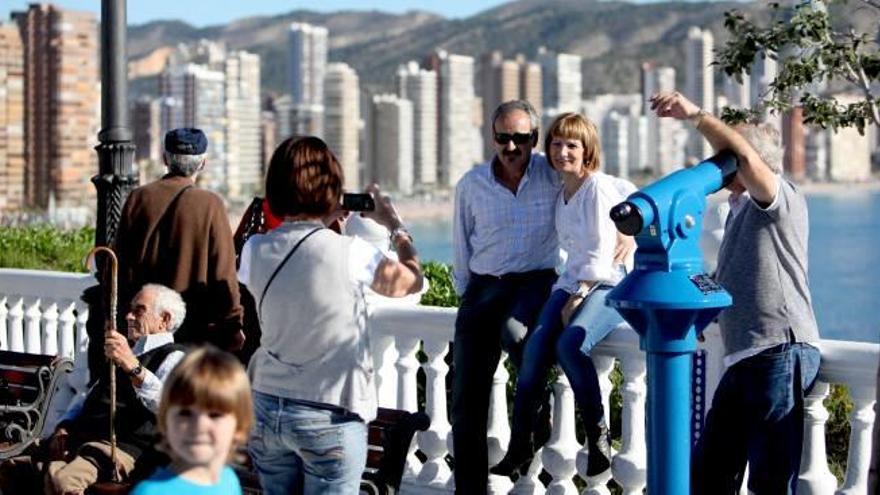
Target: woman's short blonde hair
column 572, row 125
column 212, row 380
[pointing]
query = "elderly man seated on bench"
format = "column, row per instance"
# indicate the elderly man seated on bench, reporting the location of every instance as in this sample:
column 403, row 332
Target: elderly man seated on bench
column 77, row 455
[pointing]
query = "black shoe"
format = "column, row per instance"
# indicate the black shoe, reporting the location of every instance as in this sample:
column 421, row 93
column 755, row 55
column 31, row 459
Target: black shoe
column 599, row 450
column 514, row 461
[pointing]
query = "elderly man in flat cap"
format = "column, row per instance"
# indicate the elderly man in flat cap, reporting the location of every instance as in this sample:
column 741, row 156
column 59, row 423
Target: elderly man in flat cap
column 173, row 233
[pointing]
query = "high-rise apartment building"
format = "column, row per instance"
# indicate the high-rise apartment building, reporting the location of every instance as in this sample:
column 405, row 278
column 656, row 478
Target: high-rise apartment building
column 615, row 144
column 12, row 160
column 342, row 120
column 307, row 64
column 392, row 163
column 562, row 82
column 503, row 80
column 420, row 87
column 737, row 93
column 61, row 105
column 146, row 129
column 194, row 96
column 459, row 133
column 664, row 145
column 243, row 153
column 699, row 84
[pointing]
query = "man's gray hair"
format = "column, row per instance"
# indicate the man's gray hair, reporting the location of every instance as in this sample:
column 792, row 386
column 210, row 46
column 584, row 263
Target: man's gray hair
column 767, row 142
column 514, row 105
column 168, row 301
column 185, row 165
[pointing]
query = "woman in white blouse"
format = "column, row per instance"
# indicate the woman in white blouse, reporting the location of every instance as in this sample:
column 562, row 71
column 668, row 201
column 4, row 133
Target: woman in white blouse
column 575, row 317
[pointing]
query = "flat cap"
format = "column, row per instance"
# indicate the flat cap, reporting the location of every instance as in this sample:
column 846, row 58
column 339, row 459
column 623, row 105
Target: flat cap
column 186, row 141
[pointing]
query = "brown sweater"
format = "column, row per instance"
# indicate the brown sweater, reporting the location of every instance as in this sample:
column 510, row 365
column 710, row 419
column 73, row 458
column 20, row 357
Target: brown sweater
column 186, row 246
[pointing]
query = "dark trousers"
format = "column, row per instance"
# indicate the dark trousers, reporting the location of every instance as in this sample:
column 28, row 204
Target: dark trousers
column 757, row 416
column 496, row 313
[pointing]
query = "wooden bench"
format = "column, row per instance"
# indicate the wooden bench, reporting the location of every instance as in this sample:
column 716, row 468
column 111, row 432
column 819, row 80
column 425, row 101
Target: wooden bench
column 27, row 384
column 389, row 437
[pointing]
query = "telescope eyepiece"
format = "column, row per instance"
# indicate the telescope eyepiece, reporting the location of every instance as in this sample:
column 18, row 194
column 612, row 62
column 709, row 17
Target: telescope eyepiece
column 628, row 218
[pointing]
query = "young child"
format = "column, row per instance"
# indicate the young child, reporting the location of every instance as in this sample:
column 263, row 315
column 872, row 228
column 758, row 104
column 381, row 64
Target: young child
column 206, row 411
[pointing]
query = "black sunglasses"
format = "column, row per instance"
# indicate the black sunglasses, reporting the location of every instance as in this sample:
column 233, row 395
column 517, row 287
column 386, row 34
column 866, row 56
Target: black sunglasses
column 518, row 138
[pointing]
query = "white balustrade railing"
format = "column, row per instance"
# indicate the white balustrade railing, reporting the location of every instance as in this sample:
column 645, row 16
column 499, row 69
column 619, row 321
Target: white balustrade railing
column 41, row 312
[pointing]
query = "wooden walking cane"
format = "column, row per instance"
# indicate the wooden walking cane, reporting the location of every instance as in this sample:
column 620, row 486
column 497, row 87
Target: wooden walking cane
column 114, row 267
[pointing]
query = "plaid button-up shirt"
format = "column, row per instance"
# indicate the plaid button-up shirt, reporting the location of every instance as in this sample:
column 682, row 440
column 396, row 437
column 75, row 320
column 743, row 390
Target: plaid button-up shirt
column 496, row 231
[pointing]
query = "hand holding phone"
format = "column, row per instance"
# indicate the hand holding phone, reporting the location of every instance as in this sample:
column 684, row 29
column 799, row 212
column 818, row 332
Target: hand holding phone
column 358, row 202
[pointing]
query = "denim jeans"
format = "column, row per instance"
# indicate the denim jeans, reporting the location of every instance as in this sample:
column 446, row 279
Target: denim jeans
column 570, row 346
column 298, row 448
column 495, row 313
column 757, row 416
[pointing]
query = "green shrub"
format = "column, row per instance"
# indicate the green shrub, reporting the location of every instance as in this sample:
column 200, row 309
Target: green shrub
column 440, row 291
column 45, row 248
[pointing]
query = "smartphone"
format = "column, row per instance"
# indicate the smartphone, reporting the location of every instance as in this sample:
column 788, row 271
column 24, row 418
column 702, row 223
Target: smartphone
column 358, row 202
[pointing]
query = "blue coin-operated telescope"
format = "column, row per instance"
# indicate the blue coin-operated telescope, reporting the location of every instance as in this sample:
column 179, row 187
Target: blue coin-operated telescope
column 667, row 299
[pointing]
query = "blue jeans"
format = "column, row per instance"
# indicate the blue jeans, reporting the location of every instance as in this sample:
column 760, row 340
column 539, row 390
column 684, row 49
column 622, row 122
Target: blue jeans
column 297, row 448
column 757, row 415
column 570, row 346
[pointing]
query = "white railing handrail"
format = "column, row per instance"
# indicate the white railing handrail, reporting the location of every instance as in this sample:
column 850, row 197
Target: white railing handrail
column 40, row 311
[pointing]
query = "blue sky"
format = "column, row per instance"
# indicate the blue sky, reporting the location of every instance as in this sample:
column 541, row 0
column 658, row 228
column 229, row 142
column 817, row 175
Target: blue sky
column 207, row 12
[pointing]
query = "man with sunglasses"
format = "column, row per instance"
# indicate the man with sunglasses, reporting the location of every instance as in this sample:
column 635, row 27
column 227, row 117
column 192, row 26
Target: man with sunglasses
column 506, row 250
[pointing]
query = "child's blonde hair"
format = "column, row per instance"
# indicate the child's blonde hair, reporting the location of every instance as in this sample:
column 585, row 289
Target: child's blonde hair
column 213, row 380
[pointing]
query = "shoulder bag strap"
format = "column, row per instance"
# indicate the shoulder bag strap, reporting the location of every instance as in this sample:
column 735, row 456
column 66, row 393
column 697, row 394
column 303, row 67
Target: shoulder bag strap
column 280, row 266
column 162, row 219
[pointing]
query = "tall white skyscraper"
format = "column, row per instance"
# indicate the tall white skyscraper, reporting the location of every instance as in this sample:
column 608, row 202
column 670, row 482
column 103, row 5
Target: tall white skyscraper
column 459, row 134
column 420, row 87
column 562, row 82
column 307, row 64
column 342, row 120
column 699, row 84
column 764, row 71
column 392, row 164
column 664, row 146
column 737, row 93
column 195, row 96
column 245, row 170
column 615, row 144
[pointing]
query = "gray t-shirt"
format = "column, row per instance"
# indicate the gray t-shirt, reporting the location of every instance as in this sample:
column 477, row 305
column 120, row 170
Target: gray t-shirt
column 762, row 262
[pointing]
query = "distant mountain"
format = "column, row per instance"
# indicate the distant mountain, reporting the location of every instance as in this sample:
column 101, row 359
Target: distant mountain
column 613, row 37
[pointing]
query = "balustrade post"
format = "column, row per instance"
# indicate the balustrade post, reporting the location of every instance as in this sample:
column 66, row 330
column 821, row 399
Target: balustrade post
column 49, row 335
column 498, row 430
column 559, row 453
column 384, row 357
column 78, row 379
column 435, row 472
column 32, row 316
column 815, row 477
column 858, row 459
column 597, row 485
column 4, row 336
column 629, row 466
column 67, row 333
column 407, row 392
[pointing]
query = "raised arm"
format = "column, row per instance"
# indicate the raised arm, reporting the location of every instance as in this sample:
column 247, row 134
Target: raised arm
column 754, row 174
column 404, row 276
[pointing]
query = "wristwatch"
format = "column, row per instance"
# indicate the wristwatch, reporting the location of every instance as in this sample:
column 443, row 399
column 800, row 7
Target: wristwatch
column 400, row 232
column 136, row 371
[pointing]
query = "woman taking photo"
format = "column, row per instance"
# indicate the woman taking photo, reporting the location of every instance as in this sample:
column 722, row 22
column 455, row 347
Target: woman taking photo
column 575, row 317
column 313, row 372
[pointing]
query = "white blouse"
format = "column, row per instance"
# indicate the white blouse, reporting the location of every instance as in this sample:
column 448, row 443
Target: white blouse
column 587, row 233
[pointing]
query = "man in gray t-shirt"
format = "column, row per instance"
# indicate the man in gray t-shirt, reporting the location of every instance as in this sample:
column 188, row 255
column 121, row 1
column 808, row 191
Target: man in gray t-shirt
column 770, row 332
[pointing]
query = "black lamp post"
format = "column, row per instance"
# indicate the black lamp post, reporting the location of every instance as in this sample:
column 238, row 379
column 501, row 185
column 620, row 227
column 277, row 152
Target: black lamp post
column 116, row 176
